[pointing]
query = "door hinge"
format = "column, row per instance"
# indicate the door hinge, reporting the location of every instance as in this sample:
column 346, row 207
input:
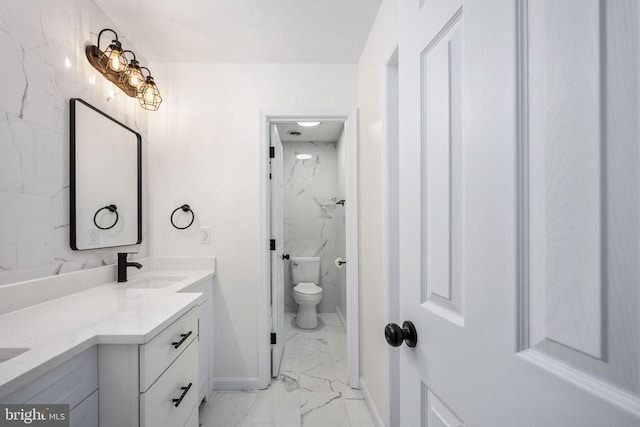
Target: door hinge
column 272, row 244
column 269, row 176
column 272, row 152
column 273, row 338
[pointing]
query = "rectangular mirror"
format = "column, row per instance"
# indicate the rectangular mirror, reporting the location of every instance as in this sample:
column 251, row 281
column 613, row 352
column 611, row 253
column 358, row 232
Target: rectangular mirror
column 105, row 181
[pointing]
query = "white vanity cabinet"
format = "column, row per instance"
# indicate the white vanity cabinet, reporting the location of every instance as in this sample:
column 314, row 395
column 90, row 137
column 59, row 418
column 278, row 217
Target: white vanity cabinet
column 205, row 337
column 120, row 355
column 154, row 384
column 73, row 383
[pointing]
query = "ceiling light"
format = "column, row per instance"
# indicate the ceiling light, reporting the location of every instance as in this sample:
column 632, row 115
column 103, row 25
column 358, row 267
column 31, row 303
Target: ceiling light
column 308, row 124
column 125, row 74
column 304, row 156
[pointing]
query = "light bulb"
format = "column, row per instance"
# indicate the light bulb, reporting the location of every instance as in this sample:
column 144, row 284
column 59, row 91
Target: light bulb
column 114, row 62
column 148, row 93
column 133, row 80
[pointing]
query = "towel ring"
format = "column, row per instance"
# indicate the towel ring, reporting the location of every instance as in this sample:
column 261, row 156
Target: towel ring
column 185, row 208
column 110, row 208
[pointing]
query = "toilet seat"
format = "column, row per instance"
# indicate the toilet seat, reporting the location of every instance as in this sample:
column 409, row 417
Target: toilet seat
column 307, row 289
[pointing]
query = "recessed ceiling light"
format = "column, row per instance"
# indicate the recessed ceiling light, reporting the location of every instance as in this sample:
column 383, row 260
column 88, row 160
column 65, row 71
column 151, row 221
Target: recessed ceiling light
column 304, row 156
column 308, row 124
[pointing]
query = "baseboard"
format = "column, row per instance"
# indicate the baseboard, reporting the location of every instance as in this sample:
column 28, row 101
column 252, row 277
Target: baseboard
column 372, row 407
column 344, row 324
column 236, row 383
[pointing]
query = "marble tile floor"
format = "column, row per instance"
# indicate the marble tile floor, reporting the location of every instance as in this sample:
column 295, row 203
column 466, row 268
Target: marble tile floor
column 311, row 391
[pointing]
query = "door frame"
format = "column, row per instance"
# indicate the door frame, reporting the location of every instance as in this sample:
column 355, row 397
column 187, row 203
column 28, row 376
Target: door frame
column 349, row 117
column 391, row 253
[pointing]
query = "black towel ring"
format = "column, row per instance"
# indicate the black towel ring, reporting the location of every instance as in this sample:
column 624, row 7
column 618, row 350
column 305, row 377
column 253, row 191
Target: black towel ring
column 110, row 208
column 185, row 208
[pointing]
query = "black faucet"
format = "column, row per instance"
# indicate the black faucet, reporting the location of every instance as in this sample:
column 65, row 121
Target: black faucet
column 123, row 264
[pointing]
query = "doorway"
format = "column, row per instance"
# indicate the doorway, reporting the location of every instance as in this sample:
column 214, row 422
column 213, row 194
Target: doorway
column 275, row 268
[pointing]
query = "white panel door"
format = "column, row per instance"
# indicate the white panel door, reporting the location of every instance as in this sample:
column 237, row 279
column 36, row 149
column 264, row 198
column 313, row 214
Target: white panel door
column 520, row 212
column 277, row 262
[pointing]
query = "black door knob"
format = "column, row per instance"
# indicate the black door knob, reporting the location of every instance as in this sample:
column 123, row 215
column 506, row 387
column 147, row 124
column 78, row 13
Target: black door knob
column 285, row 256
column 394, row 334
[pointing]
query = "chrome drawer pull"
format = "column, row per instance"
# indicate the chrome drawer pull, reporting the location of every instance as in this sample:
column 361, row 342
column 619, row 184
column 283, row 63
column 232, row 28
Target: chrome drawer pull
column 184, row 337
column 184, row 393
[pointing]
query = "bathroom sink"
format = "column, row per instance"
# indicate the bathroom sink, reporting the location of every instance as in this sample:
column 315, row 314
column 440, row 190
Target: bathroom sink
column 154, row 282
column 10, row 353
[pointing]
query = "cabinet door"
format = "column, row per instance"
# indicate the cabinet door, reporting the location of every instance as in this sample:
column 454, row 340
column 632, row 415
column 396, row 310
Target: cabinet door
column 204, row 331
column 205, row 338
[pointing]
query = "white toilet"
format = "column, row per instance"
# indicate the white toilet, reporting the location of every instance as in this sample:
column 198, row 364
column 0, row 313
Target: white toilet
column 305, row 275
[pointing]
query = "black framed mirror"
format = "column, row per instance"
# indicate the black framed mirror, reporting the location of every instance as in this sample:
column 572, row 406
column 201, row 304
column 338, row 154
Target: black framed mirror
column 105, row 180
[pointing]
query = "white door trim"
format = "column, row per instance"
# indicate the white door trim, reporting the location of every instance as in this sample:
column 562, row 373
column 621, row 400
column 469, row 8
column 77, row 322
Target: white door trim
column 351, row 217
column 390, row 123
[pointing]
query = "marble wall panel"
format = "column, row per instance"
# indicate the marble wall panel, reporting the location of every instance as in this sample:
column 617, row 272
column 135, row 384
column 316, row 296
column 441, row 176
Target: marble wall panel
column 311, row 215
column 42, row 44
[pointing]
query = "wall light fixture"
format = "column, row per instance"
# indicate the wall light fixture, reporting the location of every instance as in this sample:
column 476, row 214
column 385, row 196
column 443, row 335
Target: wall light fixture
column 125, row 73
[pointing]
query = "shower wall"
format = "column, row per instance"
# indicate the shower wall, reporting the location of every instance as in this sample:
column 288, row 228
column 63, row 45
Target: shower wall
column 311, row 215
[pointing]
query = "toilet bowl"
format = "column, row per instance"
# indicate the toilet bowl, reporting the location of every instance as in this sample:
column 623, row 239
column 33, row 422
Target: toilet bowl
column 307, row 295
column 305, row 275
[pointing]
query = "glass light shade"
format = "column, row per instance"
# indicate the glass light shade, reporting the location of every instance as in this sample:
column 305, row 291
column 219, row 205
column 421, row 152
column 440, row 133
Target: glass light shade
column 149, row 95
column 308, row 124
column 133, row 75
column 114, row 58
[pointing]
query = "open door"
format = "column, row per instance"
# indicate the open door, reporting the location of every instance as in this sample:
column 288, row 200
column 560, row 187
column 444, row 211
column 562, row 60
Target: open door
column 519, row 213
column 277, row 262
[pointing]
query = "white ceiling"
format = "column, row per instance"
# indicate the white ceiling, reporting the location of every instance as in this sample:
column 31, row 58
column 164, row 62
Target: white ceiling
column 227, row 31
column 324, row 132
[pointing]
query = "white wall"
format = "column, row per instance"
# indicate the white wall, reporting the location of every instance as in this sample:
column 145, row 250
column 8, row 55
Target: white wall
column 374, row 351
column 341, row 235
column 36, row 38
column 311, row 215
column 205, row 152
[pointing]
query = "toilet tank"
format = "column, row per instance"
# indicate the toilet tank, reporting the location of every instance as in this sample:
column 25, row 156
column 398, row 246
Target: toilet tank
column 305, row 270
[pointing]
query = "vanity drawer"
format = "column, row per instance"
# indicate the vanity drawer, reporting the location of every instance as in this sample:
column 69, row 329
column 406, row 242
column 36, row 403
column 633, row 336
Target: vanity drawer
column 86, row 413
column 157, row 354
column 194, row 419
column 157, row 407
column 69, row 383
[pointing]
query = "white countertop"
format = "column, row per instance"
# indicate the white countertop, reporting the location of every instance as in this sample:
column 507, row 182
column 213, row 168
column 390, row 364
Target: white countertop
column 56, row 330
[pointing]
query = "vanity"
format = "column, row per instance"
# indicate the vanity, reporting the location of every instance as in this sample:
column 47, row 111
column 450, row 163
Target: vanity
column 138, row 353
